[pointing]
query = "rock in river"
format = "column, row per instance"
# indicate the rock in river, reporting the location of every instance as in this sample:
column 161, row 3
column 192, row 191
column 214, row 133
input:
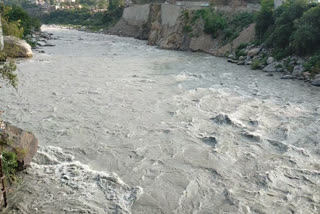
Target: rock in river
column 270, row 68
column 316, row 82
column 23, row 143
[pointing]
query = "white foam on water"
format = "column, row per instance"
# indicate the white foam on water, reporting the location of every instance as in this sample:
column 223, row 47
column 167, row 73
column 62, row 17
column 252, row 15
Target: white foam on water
column 84, row 183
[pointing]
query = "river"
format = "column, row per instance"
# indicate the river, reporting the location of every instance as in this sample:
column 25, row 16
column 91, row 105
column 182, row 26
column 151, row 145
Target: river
column 128, row 128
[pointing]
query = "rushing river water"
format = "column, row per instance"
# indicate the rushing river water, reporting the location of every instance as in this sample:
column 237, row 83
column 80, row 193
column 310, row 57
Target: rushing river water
column 128, row 128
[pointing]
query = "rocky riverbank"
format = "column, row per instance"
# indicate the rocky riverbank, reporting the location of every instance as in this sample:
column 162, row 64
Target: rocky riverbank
column 177, row 28
column 257, row 57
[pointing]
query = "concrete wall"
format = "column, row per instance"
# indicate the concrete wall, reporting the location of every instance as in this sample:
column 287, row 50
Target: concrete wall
column 137, row 14
column 170, row 14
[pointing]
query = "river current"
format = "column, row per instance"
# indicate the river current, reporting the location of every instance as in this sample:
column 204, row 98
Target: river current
column 128, row 128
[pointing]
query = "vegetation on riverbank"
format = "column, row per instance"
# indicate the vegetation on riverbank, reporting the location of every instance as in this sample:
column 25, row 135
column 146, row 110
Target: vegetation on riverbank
column 85, row 17
column 291, row 29
column 219, row 24
column 10, row 163
column 16, row 22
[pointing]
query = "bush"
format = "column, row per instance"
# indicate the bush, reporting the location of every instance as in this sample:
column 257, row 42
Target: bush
column 12, row 28
column 213, row 21
column 236, row 24
column 240, row 52
column 216, row 23
column 279, row 53
column 7, row 70
column 255, row 64
column 10, row 165
column 306, row 38
column 313, row 64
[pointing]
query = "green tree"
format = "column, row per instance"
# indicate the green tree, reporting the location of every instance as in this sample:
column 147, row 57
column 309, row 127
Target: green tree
column 306, row 38
column 285, row 16
column 264, row 18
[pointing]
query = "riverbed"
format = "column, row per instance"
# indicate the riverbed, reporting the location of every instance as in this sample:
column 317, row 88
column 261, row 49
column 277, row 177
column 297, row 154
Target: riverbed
column 124, row 127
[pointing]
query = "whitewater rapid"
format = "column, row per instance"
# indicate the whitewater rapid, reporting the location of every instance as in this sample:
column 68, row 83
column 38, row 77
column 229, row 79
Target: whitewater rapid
column 128, row 128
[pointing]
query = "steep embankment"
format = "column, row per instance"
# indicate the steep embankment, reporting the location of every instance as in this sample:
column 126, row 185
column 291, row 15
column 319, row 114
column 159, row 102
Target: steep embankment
column 165, row 25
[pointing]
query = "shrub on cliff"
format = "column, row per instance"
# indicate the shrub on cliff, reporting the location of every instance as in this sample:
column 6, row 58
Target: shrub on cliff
column 236, row 23
column 313, row 64
column 220, row 24
column 12, row 28
column 213, row 20
column 7, row 70
column 10, row 165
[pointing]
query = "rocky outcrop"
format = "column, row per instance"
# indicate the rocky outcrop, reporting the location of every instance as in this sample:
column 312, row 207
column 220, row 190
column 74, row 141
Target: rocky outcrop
column 15, row 47
column 163, row 25
column 247, row 35
column 23, row 143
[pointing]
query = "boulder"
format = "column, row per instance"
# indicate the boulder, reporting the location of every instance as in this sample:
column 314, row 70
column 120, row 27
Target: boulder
column 41, row 43
column 254, row 52
column 241, row 62
column 15, row 47
column 270, row 60
column 242, row 58
column 270, row 68
column 306, row 75
column 21, row 142
column 287, row 77
column 316, row 82
column 232, row 60
column 298, row 70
